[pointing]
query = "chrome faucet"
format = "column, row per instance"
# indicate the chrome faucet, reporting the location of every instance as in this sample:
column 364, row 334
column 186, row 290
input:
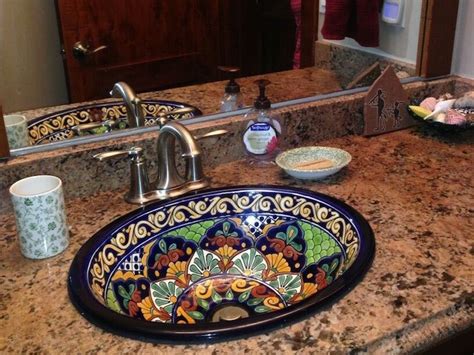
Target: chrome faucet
column 169, row 182
column 132, row 102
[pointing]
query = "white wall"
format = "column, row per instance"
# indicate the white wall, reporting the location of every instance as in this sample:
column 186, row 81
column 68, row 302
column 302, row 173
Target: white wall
column 463, row 55
column 31, row 68
column 399, row 43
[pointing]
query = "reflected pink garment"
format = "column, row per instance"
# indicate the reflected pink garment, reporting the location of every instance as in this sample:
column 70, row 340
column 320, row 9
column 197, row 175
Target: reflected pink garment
column 358, row 19
column 296, row 8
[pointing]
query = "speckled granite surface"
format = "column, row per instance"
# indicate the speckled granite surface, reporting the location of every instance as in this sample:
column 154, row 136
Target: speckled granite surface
column 463, row 85
column 416, row 191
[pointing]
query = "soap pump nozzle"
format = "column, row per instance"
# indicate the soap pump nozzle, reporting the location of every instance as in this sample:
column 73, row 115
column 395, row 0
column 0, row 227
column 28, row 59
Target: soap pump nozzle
column 232, row 99
column 262, row 102
column 232, row 86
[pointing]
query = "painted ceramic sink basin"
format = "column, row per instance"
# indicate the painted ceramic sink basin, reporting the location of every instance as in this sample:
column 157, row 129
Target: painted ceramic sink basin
column 57, row 126
column 220, row 264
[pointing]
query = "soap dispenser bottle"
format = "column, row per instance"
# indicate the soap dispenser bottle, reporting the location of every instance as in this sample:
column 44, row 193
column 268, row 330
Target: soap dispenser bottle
column 262, row 131
column 232, row 99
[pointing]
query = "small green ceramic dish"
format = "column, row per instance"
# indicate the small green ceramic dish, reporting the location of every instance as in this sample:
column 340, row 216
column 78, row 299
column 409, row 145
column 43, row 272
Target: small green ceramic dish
column 292, row 160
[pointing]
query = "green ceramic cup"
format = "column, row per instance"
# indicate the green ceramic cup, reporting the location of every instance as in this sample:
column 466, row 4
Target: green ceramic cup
column 40, row 215
column 17, row 131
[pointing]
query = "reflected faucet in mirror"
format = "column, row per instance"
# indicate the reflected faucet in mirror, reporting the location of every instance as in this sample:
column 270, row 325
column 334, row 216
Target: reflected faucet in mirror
column 132, row 102
column 169, row 183
column 164, row 116
column 106, row 126
column 134, row 108
column 135, row 115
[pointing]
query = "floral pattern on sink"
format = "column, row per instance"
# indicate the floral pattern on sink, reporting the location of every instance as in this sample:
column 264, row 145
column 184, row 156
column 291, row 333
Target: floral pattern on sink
column 263, row 264
column 57, row 126
column 259, row 250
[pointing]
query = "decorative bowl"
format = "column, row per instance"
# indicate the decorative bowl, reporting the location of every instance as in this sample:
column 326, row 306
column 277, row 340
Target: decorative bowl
column 439, row 126
column 57, row 126
column 220, row 264
column 293, row 161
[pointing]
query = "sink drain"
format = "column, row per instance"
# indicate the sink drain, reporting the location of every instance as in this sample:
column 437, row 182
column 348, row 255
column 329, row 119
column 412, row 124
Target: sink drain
column 229, row 313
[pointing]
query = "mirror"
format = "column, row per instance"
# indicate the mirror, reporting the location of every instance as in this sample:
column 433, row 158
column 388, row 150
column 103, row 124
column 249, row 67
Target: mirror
column 276, row 29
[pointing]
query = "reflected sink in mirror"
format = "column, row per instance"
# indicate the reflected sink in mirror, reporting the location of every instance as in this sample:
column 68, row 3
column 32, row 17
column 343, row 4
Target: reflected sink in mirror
column 220, row 264
column 58, row 126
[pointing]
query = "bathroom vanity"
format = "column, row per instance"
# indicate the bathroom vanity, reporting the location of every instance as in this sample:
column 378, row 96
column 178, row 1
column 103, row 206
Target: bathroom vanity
column 414, row 187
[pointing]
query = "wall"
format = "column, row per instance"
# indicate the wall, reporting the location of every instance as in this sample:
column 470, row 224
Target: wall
column 399, row 43
column 463, row 56
column 31, row 68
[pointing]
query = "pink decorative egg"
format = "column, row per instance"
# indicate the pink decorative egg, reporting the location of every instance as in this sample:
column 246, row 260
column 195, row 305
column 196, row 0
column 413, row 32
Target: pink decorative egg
column 454, row 117
column 429, row 103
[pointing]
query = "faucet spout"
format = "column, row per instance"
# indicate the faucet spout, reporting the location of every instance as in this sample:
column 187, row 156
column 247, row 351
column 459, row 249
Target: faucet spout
column 168, row 175
column 132, row 103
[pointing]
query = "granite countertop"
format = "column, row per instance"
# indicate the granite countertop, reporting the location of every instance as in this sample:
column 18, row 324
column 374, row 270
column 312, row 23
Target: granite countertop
column 415, row 190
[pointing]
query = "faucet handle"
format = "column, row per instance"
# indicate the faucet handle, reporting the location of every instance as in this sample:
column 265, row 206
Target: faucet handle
column 139, row 183
column 80, row 128
column 163, row 115
column 216, row 133
column 134, row 153
column 178, row 111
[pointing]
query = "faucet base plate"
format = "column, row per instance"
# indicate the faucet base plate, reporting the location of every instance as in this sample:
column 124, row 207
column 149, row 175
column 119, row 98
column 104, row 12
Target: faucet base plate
column 165, row 194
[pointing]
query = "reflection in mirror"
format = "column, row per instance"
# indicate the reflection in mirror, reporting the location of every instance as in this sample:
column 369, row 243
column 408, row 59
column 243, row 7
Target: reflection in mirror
column 102, row 118
column 358, row 52
column 284, row 41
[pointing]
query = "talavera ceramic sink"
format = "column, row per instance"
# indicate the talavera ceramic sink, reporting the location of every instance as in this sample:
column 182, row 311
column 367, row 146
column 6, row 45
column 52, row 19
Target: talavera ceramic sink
column 57, row 126
column 220, row 264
